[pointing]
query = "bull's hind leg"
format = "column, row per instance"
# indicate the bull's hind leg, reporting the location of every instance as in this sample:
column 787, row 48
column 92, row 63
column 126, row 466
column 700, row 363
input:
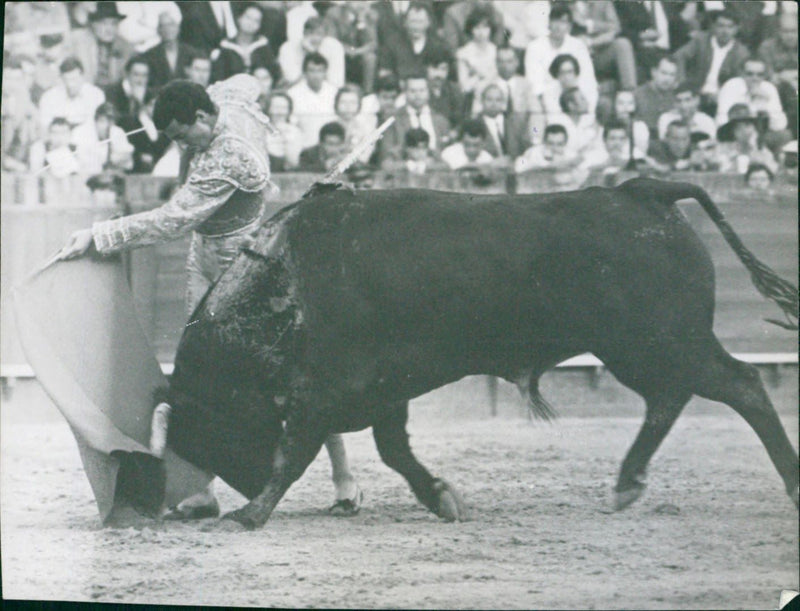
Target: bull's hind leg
column 725, row 379
column 391, row 439
column 662, row 411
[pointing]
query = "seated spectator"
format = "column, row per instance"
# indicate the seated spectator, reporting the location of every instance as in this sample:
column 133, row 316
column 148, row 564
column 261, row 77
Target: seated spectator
column 404, row 55
column 354, row 24
column 56, row 152
column 583, row 133
column 542, row 51
column 470, row 150
column 704, row 156
column 246, row 52
column 657, row 96
column 416, row 113
column 516, row 87
column 506, row 138
column 419, row 158
column 46, row 72
column 551, row 153
column 616, row 153
column 313, row 98
column 687, row 109
column 128, row 96
column 477, row 58
column 566, row 71
column 206, row 24
column 169, row 59
column 356, row 125
column 141, row 24
column 740, row 144
column 384, row 102
column 199, row 70
column 284, row 147
column 361, row 176
column 761, row 97
column 322, row 157
column 523, row 22
column 654, row 29
column 598, row 26
column 265, row 83
column 445, row 96
column 73, row 98
column 101, row 50
column 150, row 145
column 759, row 177
column 780, row 56
column 456, row 17
column 674, row 151
column 273, row 20
column 314, row 41
column 19, row 120
column 709, row 59
column 625, row 111
column 101, row 145
column 297, row 15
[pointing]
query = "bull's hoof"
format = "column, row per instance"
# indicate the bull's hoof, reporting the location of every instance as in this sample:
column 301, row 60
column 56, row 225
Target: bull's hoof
column 623, row 498
column 449, row 505
column 239, row 517
column 347, row 508
column 198, row 512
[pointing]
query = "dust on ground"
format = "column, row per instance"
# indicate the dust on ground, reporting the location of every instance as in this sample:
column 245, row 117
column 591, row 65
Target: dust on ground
column 714, row 529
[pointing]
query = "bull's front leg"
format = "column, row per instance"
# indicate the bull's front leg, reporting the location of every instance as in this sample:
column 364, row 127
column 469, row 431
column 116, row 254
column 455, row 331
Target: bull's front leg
column 391, row 438
column 305, row 432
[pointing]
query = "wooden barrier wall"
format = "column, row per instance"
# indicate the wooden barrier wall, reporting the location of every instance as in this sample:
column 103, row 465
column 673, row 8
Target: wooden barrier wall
column 767, row 224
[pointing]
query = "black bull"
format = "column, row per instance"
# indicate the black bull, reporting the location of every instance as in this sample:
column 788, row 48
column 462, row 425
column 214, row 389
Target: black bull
column 348, row 305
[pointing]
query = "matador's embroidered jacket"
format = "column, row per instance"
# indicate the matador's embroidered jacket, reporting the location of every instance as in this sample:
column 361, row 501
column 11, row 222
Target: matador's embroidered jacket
column 226, row 184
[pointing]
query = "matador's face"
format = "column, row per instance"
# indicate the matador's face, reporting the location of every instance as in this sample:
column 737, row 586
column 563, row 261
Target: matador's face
column 195, row 137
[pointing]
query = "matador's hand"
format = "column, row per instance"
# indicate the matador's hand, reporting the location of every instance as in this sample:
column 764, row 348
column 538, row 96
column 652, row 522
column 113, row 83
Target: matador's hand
column 78, row 244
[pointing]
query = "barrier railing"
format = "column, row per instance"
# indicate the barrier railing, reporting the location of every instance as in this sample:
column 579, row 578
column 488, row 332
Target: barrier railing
column 33, row 227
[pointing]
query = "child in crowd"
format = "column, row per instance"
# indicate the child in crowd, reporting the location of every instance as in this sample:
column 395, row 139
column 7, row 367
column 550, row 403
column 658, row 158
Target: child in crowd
column 740, row 145
column 759, row 177
column 55, row 152
column 101, row 145
column 419, row 157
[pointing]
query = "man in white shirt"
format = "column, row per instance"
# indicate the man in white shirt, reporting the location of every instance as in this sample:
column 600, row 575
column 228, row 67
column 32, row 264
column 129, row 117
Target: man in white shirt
column 469, row 151
column 542, row 51
column 140, row 26
column 687, row 104
column 313, row 99
column 101, row 145
column 314, row 40
column 73, row 98
column 551, row 153
column 760, row 96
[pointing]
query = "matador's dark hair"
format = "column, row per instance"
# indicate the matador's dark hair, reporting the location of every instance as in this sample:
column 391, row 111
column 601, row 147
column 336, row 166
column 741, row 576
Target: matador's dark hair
column 180, row 100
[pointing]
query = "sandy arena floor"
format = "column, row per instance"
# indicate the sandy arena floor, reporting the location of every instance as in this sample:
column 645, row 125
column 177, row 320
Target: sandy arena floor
column 714, row 530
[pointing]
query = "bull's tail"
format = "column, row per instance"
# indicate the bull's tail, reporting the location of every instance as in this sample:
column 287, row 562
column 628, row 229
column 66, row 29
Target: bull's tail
column 768, row 283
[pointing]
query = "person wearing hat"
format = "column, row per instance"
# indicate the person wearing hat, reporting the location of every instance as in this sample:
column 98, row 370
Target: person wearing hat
column 740, row 142
column 761, row 97
column 102, row 51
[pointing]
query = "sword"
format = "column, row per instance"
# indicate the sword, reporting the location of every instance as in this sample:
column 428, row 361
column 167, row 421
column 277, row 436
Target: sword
column 359, row 150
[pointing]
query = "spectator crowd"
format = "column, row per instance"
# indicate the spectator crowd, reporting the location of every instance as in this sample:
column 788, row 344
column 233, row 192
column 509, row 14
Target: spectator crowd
column 474, row 85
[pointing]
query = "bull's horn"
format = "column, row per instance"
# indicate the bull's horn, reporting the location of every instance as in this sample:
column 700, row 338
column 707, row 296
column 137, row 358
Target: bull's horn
column 158, row 429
